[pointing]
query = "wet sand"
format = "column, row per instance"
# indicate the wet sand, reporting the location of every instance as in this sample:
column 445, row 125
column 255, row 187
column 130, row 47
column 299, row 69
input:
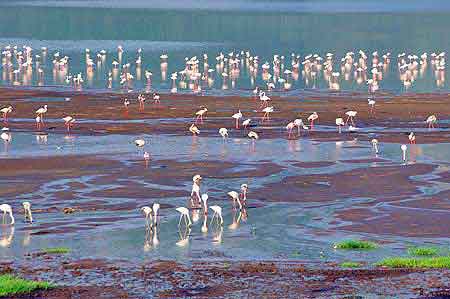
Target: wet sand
column 392, row 111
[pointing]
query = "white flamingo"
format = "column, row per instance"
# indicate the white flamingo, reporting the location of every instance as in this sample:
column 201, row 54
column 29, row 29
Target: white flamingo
column 246, row 123
column 68, row 122
column 431, row 120
column 5, row 111
column 200, row 113
column 267, row 112
column 313, row 117
column 147, row 211
column 184, row 214
column 412, row 138
column 40, row 113
column 235, row 197
column 223, row 132
column 289, row 127
column 237, row 117
column 6, row 209
column 375, row 145
column 194, row 130
column 217, row 214
column 350, row 116
column 264, row 99
column 404, row 148
column 27, row 209
column 371, row 103
column 339, row 123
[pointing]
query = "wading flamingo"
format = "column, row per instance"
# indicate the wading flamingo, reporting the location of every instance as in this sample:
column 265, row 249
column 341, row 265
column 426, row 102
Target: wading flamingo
column 375, row 145
column 246, row 123
column 195, row 192
column 339, row 123
column 147, row 211
column 5, row 111
column 253, row 135
column 237, row 117
column 350, row 116
column 431, row 120
column 217, row 215
column 264, row 99
column 200, row 113
column 155, row 208
column 27, row 210
column 299, row 124
column 223, row 132
column 68, row 122
column 289, row 127
column 205, row 203
column 184, row 214
column 235, row 197
column 5, row 208
column 156, row 98
column 412, row 138
column 371, row 103
column 40, row 113
column 267, row 112
column 194, row 130
column 404, row 148
column 314, row 116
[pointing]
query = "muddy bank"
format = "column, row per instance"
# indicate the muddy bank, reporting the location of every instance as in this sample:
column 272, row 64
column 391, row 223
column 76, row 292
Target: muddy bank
column 224, row 279
column 394, row 112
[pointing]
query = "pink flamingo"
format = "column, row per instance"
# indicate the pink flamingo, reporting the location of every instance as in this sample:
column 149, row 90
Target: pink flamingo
column 5, row 111
column 314, row 116
column 68, row 122
column 199, row 114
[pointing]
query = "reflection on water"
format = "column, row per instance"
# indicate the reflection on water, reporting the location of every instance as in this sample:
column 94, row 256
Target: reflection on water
column 181, row 34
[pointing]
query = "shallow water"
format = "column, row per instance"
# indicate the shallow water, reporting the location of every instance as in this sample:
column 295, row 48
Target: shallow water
column 184, row 29
column 299, row 231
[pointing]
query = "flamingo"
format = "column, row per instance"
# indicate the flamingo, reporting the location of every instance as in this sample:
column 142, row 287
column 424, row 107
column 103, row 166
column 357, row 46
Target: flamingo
column 184, row 214
column 68, row 122
column 235, row 197
column 253, row 135
column 5, row 208
column 404, row 148
column 38, row 122
column 147, row 211
column 314, row 116
column 199, row 114
column 431, row 120
column 40, row 113
column 139, row 142
column 237, row 117
column 412, row 138
column 289, row 127
column 263, row 98
column 146, row 156
column 217, row 214
column 339, row 123
column 246, row 123
column 350, row 116
column 243, row 195
column 375, row 145
column 155, row 208
column 5, row 136
column 223, row 132
column 195, row 193
column 156, row 98
column 299, row 123
column 126, row 103
column 27, row 209
column 267, row 111
column 371, row 103
column 194, row 130
column 205, row 203
column 5, row 111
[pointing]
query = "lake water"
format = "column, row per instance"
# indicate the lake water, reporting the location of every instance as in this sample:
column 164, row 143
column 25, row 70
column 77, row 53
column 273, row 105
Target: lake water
column 188, row 28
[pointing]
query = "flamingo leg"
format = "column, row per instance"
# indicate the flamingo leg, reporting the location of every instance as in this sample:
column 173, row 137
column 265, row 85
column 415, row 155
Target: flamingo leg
column 179, row 222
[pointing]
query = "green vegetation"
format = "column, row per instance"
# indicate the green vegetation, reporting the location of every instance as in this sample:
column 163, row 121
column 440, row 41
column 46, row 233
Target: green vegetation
column 408, row 262
column 12, row 285
column 355, row 244
column 423, row 251
column 350, row 265
column 56, row 250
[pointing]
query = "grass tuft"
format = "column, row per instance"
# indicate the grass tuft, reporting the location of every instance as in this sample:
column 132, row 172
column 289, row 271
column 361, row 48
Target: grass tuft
column 438, row 262
column 56, row 250
column 423, row 251
column 350, row 265
column 355, row 244
column 12, row 285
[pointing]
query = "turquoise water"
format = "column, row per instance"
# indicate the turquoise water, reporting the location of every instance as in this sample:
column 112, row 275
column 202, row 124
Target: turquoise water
column 188, row 28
